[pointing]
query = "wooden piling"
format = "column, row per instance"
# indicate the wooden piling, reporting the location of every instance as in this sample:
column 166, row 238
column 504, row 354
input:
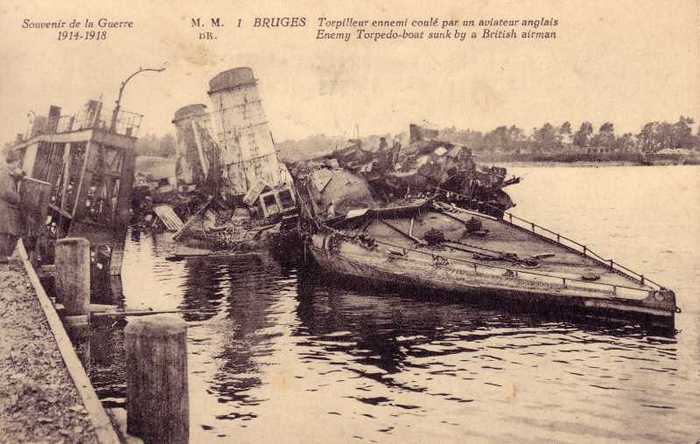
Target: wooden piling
column 73, row 275
column 156, row 372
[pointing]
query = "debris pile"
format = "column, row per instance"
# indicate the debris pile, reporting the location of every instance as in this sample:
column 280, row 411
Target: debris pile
column 426, row 167
column 232, row 191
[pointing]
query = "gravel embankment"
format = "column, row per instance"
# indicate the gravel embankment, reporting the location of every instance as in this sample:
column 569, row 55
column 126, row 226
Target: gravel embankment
column 38, row 401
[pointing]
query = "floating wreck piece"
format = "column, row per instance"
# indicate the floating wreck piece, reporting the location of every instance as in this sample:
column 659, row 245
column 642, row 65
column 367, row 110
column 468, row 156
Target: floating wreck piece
column 87, row 162
column 427, row 243
column 229, row 155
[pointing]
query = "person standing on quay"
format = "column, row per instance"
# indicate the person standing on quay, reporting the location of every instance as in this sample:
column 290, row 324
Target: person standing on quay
column 9, row 205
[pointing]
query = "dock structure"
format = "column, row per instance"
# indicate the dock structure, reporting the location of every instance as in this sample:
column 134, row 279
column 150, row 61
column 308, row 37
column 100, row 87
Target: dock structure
column 47, row 396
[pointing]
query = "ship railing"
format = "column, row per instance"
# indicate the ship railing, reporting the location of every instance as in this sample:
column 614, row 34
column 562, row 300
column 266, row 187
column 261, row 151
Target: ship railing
column 127, row 123
column 565, row 241
column 543, row 278
column 62, row 123
column 560, row 239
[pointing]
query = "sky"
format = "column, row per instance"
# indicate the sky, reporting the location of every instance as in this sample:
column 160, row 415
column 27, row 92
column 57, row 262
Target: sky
column 628, row 62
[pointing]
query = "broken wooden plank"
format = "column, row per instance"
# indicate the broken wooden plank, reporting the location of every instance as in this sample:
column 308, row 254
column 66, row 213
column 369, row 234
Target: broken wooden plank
column 192, row 219
column 169, row 218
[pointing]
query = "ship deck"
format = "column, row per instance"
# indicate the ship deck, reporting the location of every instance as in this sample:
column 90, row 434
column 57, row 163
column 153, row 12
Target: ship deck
column 506, row 238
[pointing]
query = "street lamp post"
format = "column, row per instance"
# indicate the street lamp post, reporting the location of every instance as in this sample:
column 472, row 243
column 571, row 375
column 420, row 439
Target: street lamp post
column 115, row 113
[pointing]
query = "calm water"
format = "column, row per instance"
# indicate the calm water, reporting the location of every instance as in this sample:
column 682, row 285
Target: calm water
column 277, row 354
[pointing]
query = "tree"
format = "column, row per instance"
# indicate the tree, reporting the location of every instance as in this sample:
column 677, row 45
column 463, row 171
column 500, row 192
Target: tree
column 647, row 137
column 605, row 136
column 583, row 135
column 656, row 136
column 565, row 132
column 665, row 135
column 683, row 133
column 497, row 139
column 516, row 138
column 546, row 138
column 167, row 146
column 472, row 139
column 4, row 149
column 504, row 138
column 625, row 142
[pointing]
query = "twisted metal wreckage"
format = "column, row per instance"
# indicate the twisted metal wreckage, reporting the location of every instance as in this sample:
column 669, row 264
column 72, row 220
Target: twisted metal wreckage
column 233, row 191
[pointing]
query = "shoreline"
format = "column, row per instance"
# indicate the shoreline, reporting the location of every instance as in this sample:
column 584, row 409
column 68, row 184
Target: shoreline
column 552, row 164
column 581, row 163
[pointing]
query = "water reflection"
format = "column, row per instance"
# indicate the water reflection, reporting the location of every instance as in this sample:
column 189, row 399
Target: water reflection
column 390, row 331
column 238, row 296
column 204, row 289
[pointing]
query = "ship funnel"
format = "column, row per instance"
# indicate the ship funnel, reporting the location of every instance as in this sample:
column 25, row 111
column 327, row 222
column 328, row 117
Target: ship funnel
column 192, row 163
column 242, row 132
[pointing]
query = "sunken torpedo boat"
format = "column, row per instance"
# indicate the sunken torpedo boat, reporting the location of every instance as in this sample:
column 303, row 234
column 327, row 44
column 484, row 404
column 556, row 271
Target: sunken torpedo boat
column 460, row 244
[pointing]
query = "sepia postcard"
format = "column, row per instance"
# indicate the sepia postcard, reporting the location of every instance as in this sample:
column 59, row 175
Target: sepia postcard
column 331, row 222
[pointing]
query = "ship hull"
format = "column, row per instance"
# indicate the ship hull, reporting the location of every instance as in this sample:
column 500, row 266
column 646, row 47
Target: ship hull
column 344, row 271
column 441, row 272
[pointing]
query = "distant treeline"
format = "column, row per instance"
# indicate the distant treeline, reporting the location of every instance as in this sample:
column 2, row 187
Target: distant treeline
column 4, row 149
column 652, row 137
column 511, row 142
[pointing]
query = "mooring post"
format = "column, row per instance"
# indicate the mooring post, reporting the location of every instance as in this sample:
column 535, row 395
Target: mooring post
column 73, row 275
column 72, row 261
column 157, row 401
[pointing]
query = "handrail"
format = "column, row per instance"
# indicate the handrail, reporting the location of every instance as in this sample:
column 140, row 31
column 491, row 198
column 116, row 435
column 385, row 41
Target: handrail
column 128, row 122
column 584, row 249
column 517, row 272
column 559, row 237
